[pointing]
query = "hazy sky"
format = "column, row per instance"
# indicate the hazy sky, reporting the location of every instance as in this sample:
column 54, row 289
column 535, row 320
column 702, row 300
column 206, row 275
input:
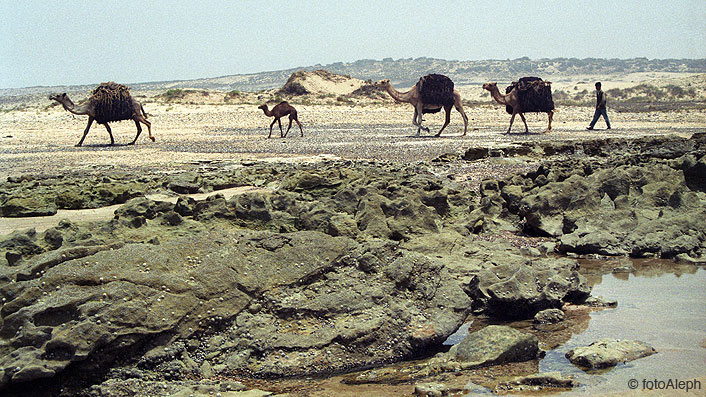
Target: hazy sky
column 85, row 42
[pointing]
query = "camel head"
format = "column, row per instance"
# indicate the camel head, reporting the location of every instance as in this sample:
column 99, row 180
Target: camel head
column 62, row 99
column 383, row 84
column 490, row 86
column 59, row 97
column 265, row 109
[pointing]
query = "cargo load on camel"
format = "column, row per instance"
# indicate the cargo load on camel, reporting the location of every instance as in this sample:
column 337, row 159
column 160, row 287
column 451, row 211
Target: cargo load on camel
column 436, row 89
column 534, row 94
column 113, row 103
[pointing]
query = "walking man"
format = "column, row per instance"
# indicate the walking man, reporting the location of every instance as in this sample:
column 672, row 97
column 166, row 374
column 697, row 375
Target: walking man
column 600, row 107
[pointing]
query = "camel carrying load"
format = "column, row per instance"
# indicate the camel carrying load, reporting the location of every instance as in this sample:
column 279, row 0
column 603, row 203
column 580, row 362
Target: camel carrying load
column 108, row 102
column 528, row 95
column 431, row 93
column 534, row 94
column 438, row 89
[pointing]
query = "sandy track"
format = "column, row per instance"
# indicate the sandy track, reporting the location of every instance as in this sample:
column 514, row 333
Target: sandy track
column 41, row 141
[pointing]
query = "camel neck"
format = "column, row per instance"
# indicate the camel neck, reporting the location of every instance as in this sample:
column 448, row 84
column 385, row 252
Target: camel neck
column 268, row 113
column 396, row 95
column 71, row 107
column 501, row 99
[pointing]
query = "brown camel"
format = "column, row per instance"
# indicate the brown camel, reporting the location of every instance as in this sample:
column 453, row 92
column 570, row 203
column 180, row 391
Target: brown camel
column 512, row 100
column 282, row 109
column 109, row 102
column 414, row 98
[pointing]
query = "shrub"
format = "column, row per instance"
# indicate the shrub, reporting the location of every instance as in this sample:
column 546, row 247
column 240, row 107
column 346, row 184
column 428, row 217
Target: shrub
column 174, row 93
column 232, row 95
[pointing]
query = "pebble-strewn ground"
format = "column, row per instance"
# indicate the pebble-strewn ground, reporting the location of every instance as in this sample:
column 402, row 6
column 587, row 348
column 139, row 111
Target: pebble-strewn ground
column 40, row 140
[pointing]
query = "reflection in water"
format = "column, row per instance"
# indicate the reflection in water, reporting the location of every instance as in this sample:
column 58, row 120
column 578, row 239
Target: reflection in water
column 659, row 303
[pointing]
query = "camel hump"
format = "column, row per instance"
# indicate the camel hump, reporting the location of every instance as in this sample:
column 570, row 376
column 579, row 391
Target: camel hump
column 113, row 102
column 534, row 94
column 436, row 89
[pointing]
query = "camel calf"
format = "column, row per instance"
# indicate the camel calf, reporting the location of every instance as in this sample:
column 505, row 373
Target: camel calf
column 280, row 110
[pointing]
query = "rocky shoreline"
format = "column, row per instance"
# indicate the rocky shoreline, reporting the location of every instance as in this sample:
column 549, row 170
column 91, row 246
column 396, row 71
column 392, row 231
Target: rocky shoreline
column 333, row 266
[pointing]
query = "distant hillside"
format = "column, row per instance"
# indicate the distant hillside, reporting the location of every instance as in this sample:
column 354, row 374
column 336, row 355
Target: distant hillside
column 405, row 72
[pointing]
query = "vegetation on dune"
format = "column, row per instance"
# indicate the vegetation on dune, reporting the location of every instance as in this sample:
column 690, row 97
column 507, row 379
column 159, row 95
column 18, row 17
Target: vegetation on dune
column 645, row 92
column 641, row 97
column 232, row 95
column 174, row 93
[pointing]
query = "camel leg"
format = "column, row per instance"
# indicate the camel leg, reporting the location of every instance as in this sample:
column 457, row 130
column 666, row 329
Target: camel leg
column 85, row 132
column 281, row 135
column 301, row 131
column 143, row 118
column 149, row 127
column 421, row 120
column 294, row 117
column 107, row 127
column 139, row 131
column 512, row 119
column 273, row 123
column 522, row 116
column 419, row 113
column 551, row 116
column 415, row 120
column 459, row 107
column 289, row 127
column 447, row 110
column 458, row 104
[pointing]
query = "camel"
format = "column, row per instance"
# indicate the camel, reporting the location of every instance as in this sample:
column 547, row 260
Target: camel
column 512, row 100
column 282, row 109
column 414, row 97
column 102, row 111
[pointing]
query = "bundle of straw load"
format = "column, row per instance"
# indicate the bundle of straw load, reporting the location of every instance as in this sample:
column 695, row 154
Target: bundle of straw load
column 112, row 103
column 436, row 89
column 535, row 95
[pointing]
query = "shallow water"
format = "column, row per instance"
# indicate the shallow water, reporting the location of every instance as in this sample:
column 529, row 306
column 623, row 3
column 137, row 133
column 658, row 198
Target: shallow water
column 663, row 305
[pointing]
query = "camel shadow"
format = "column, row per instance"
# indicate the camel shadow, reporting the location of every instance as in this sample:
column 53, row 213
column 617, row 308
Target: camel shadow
column 433, row 136
column 103, row 145
column 523, row 133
